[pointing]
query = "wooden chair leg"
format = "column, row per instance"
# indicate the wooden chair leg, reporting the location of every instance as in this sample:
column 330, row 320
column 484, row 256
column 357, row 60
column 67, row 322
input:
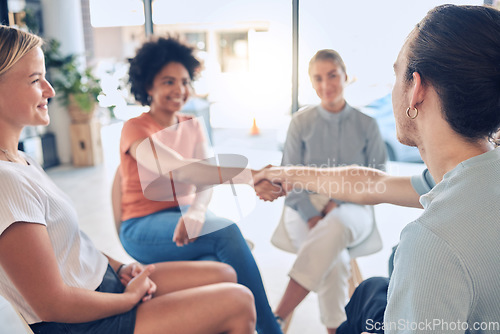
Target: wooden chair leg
column 286, row 323
column 356, row 277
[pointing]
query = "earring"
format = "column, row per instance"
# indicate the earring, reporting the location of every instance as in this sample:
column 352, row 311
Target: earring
column 149, row 99
column 408, row 113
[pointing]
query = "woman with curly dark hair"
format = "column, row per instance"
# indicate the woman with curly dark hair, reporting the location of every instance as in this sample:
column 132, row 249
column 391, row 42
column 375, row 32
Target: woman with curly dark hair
column 165, row 216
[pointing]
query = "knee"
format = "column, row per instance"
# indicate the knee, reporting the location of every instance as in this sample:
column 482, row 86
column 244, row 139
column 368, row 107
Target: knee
column 225, row 273
column 244, row 303
column 231, row 231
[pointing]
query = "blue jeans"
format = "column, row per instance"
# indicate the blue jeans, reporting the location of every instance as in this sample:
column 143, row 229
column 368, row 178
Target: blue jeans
column 148, row 239
column 366, row 308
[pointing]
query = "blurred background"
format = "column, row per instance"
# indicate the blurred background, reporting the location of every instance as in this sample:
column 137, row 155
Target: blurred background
column 255, row 55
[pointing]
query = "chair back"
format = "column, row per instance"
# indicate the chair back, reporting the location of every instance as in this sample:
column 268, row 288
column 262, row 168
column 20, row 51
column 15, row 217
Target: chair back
column 116, row 199
column 11, row 321
column 371, row 245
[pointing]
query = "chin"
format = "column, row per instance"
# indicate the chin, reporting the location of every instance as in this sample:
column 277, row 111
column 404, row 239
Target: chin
column 44, row 121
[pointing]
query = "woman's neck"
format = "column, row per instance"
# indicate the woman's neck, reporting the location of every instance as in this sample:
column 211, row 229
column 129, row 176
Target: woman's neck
column 9, row 139
column 164, row 119
column 334, row 107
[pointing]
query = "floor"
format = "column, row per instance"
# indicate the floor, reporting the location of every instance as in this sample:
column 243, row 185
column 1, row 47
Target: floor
column 89, row 187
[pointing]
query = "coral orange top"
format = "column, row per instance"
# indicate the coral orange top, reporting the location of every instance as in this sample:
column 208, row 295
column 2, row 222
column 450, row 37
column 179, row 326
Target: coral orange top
column 184, row 137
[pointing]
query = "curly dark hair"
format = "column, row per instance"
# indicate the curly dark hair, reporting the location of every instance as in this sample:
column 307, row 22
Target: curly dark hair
column 457, row 50
column 151, row 57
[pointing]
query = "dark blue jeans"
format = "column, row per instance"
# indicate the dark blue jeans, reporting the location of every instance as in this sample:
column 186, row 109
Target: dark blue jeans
column 365, row 310
column 149, row 239
column 119, row 324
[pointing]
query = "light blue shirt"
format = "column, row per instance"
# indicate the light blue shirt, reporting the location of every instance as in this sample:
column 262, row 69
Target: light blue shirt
column 320, row 138
column 446, row 275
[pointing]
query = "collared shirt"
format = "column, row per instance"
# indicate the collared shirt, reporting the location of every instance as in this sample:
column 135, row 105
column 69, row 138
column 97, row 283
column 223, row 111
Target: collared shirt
column 320, row 138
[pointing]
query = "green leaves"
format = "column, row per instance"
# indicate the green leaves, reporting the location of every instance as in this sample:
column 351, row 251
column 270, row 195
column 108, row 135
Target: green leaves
column 72, row 82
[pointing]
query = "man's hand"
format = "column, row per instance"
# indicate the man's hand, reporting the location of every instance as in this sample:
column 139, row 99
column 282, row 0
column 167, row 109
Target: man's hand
column 268, row 191
column 313, row 221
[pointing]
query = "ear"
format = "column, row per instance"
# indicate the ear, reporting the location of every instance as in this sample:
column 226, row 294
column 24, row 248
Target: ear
column 418, row 93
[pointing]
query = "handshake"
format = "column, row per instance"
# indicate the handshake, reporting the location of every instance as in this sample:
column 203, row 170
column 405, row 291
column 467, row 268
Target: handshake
column 270, row 183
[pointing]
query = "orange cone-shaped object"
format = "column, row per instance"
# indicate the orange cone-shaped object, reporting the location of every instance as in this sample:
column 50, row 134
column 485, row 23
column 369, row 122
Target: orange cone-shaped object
column 254, row 130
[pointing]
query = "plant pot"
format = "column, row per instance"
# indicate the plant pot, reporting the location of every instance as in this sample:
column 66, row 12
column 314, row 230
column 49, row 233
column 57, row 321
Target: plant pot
column 78, row 115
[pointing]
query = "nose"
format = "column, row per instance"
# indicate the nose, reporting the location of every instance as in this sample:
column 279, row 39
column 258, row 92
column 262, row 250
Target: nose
column 324, row 84
column 48, row 90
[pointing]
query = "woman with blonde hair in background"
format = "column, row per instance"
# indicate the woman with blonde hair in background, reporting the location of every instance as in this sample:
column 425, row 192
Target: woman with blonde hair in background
column 446, row 102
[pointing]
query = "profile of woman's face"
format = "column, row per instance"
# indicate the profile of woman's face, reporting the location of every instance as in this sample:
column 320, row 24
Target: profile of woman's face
column 24, row 91
column 170, row 88
column 328, row 80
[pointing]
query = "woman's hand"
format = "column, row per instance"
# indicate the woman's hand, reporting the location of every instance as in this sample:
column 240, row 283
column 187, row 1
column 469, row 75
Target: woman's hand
column 268, row 191
column 313, row 221
column 129, row 271
column 265, row 187
column 189, row 226
column 141, row 285
column 329, row 207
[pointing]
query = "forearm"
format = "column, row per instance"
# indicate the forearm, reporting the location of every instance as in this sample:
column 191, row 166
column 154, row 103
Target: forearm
column 353, row 184
column 202, row 199
column 113, row 263
column 350, row 184
column 74, row 305
column 160, row 159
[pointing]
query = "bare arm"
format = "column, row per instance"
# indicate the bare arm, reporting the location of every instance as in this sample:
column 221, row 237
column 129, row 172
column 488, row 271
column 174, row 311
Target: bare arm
column 153, row 155
column 354, row 184
column 34, row 270
column 191, row 222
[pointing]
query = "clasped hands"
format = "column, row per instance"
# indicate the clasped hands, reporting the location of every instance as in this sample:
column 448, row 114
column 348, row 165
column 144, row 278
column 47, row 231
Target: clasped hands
column 268, row 183
column 135, row 278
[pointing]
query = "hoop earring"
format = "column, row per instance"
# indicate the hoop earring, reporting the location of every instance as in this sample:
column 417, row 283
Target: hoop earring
column 408, row 113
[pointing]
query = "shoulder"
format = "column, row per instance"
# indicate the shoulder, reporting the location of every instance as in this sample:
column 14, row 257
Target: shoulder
column 12, row 175
column 362, row 117
column 185, row 117
column 304, row 116
column 142, row 119
column 305, row 111
column 188, row 120
column 138, row 127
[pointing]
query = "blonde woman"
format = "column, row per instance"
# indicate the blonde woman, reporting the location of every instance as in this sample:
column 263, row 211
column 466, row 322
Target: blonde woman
column 52, row 273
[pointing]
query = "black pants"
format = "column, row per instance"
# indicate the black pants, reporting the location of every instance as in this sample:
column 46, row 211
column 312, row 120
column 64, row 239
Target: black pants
column 365, row 310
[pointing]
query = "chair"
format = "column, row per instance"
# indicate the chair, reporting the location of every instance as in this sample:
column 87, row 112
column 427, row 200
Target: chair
column 11, row 321
column 371, row 245
column 116, row 199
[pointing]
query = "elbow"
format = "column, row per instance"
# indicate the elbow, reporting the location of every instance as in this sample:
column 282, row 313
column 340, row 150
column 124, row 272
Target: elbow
column 52, row 309
column 48, row 313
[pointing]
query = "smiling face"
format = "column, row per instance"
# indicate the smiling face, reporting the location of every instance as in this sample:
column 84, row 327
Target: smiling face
column 328, row 80
column 170, row 88
column 24, row 92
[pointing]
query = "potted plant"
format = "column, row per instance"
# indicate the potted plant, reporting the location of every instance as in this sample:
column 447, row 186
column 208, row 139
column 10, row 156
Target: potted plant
column 76, row 87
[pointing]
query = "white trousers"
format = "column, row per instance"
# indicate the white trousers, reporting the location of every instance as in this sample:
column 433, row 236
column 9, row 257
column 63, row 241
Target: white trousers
column 323, row 263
